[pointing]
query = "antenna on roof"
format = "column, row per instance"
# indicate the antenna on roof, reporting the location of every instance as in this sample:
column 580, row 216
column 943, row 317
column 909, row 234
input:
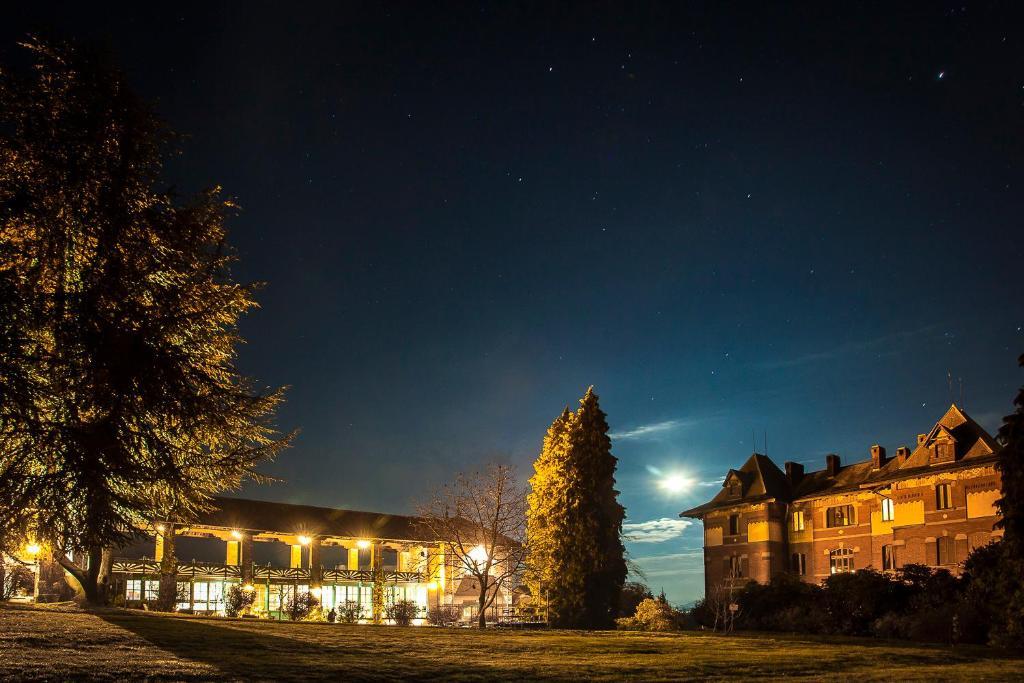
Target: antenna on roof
column 949, row 383
column 961, row 379
column 766, row 441
column 753, row 436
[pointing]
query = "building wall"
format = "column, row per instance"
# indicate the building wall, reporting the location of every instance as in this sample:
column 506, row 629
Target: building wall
column 768, row 538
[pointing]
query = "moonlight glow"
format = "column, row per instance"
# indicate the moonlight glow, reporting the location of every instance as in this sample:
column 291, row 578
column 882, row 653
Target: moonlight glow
column 676, row 483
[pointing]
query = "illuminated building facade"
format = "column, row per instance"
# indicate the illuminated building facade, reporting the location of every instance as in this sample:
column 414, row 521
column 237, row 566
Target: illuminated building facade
column 928, row 505
column 278, row 550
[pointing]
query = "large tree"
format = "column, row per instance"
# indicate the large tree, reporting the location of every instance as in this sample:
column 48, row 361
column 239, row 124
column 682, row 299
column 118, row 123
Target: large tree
column 1011, row 510
column 126, row 319
column 574, row 529
column 480, row 521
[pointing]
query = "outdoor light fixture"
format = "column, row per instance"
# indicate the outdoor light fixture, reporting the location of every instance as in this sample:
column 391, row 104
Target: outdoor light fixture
column 236, row 533
column 160, row 528
column 304, row 540
column 248, row 588
column 478, row 555
column 32, row 549
column 362, row 544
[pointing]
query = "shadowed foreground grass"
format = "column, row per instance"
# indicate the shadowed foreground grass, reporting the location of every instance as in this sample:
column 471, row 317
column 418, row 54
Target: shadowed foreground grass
column 46, row 643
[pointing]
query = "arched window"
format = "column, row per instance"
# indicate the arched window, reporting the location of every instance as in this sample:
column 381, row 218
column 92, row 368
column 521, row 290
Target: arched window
column 841, row 560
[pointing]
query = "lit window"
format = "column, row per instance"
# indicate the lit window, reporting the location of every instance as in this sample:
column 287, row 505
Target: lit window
column 841, row 560
column 799, row 564
column 134, row 590
column 798, row 520
column 841, row 515
column 735, row 567
column 888, row 558
column 943, row 500
column 888, row 510
column 734, row 525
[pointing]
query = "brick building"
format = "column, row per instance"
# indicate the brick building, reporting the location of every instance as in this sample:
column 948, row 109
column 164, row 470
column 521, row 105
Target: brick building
column 928, row 505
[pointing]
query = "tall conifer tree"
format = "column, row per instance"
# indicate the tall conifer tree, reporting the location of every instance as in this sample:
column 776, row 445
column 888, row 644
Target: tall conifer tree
column 575, row 521
column 125, row 323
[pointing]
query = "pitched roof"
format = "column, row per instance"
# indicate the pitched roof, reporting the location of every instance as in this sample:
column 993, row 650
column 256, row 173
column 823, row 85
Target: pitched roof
column 760, row 479
column 971, row 440
column 973, row 445
column 286, row 518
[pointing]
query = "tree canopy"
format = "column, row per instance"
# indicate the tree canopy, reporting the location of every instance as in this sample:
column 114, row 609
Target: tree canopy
column 574, row 533
column 120, row 332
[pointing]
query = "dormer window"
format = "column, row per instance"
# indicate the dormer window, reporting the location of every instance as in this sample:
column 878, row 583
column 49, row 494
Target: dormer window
column 734, row 488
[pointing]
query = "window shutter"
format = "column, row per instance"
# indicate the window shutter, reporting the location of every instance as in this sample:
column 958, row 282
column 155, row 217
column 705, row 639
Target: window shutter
column 962, row 550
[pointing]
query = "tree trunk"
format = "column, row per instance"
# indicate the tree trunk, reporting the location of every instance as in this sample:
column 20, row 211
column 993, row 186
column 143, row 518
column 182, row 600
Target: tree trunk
column 168, row 596
column 94, row 580
column 482, row 600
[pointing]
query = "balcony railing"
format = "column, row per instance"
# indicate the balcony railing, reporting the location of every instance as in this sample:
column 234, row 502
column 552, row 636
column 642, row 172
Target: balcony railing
column 213, row 570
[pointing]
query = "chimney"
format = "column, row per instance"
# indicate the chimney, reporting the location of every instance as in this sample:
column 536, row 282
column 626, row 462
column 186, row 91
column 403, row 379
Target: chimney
column 902, row 453
column 921, row 438
column 832, row 464
column 877, row 457
column 794, row 472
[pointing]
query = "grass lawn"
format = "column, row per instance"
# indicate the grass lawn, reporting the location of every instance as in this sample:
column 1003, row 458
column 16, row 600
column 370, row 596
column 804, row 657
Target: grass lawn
column 67, row 643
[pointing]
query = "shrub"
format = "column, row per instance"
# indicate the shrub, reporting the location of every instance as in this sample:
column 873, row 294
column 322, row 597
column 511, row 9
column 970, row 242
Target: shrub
column 349, row 613
column 444, row 615
column 627, row 624
column 402, row 612
column 315, row 614
column 655, row 615
column 299, row 605
column 238, row 600
column 631, row 595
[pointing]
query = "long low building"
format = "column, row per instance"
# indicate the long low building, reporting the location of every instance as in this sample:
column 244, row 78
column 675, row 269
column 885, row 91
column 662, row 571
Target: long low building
column 928, row 505
column 279, row 549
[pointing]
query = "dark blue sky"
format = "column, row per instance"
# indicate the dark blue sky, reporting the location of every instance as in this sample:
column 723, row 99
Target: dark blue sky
column 728, row 219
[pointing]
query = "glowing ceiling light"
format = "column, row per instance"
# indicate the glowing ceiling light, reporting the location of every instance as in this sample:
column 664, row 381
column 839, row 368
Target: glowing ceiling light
column 362, row 544
column 304, row 540
column 236, row 533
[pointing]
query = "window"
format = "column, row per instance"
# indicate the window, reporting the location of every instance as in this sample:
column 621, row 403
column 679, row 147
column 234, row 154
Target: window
column 799, row 564
column 943, row 500
column 888, row 510
column 798, row 520
column 944, row 551
column 888, row 558
column 841, row 560
column 841, row 515
column 142, row 590
column 735, row 567
column 734, row 488
column 734, row 524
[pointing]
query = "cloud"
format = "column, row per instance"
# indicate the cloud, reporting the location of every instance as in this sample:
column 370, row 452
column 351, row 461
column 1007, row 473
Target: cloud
column 652, row 429
column 716, row 482
column 687, row 562
column 848, row 348
column 655, row 530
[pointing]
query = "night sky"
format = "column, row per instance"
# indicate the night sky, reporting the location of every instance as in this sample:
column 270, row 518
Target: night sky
column 798, row 221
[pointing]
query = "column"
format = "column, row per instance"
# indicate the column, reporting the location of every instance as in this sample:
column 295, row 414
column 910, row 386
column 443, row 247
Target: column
column 296, row 559
column 246, row 558
column 315, row 570
column 232, row 555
